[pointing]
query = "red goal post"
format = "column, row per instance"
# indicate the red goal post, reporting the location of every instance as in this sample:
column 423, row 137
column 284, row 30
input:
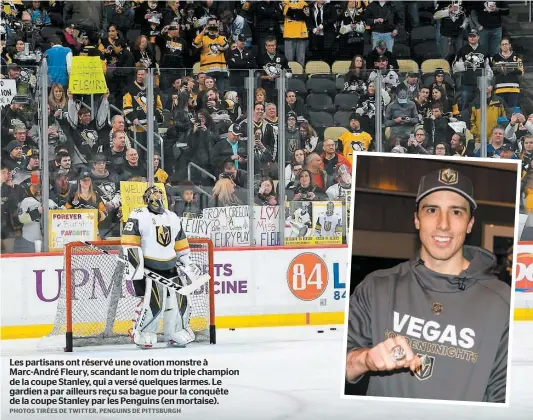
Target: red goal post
column 86, row 317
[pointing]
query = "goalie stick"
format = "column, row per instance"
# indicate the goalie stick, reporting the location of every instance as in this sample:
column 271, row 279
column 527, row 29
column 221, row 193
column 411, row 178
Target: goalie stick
column 167, row 282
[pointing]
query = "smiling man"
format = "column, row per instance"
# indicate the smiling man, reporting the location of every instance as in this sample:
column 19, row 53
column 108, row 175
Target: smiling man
column 435, row 327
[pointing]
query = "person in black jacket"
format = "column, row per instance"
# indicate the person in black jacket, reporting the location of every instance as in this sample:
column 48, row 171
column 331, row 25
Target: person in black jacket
column 230, row 148
column 272, row 63
column 437, row 326
column 240, row 59
column 385, row 21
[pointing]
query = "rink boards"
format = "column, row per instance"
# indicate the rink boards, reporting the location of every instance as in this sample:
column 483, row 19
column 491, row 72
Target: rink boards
column 261, row 287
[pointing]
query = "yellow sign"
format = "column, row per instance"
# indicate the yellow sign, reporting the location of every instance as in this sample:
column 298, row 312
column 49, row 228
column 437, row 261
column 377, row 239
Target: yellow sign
column 87, row 76
column 71, row 225
column 131, row 194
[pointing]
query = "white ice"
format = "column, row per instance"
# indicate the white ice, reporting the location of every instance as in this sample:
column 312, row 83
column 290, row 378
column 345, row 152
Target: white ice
column 295, row 373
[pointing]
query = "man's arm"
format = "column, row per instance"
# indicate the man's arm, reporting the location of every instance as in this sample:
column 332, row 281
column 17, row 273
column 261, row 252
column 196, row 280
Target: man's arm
column 496, row 387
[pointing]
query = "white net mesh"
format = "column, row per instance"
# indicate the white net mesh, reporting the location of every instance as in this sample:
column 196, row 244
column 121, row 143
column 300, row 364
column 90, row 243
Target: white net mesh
column 103, row 303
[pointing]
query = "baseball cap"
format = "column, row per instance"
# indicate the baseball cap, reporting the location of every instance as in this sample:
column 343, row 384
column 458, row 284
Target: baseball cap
column 241, row 38
column 446, row 179
column 85, row 174
column 506, row 146
column 473, row 32
column 13, row 144
column 382, row 58
column 381, row 44
column 13, row 66
column 292, row 114
column 439, row 72
column 235, row 129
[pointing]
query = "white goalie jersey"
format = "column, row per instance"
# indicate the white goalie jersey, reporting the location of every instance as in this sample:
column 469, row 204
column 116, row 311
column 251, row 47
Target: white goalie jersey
column 160, row 237
column 328, row 225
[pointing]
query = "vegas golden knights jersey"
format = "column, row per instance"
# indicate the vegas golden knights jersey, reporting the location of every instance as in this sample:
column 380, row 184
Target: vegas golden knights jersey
column 160, row 237
column 328, row 225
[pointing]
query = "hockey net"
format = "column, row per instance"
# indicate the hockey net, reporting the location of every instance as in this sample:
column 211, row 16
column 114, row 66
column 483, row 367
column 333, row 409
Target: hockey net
column 97, row 306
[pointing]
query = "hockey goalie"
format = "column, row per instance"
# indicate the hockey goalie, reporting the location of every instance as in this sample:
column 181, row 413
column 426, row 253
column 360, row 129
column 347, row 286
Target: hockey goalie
column 154, row 242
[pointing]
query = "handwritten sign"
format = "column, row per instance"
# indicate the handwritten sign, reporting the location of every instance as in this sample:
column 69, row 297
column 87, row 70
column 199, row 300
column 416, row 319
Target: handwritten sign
column 8, row 90
column 65, row 226
column 131, row 194
column 87, row 76
column 266, row 226
column 230, row 227
column 197, row 227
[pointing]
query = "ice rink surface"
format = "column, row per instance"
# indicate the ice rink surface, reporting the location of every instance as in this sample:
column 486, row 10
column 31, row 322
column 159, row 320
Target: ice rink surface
column 292, row 373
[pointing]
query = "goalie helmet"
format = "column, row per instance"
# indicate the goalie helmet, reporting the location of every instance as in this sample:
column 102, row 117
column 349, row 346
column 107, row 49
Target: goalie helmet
column 153, row 198
column 330, row 208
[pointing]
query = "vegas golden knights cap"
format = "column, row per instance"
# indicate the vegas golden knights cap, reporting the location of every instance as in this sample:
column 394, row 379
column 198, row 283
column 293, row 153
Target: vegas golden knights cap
column 446, row 179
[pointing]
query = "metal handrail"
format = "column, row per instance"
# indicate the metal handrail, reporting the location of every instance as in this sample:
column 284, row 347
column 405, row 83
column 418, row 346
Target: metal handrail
column 192, row 164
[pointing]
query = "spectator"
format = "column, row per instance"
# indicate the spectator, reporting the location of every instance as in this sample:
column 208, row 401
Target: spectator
column 401, row 115
column 174, row 54
column 439, row 98
column 366, row 108
column 441, row 83
column 268, row 137
column 380, row 50
column 233, row 106
column 121, row 17
column 87, row 16
column 59, row 62
column 309, row 140
column 389, row 77
column 332, row 159
column 355, row 139
column 57, row 100
column 61, row 189
column 8, row 208
column 314, row 165
column 507, row 68
column 415, row 144
column 70, row 40
column 85, row 197
column 15, row 158
column 292, row 136
column 305, row 189
column 14, row 114
column 297, row 160
column 39, row 15
column 351, row 30
column 411, row 82
column 519, row 126
column 202, row 140
column 271, row 116
column 458, row 146
column 355, row 81
column 209, row 83
column 159, row 174
column 266, row 196
column 31, row 164
column 233, row 26
column 121, row 74
column 495, row 110
column 385, row 21
column 29, row 215
column 135, row 107
column 143, row 54
column 321, row 31
column 268, row 14
column 453, row 20
column 260, row 96
column 423, row 105
column 507, row 152
column 272, row 64
column 240, row 60
column 494, row 144
column 86, row 140
column 437, row 125
column 117, row 154
column 441, row 149
column 132, row 167
column 63, row 162
column 487, row 19
column 187, row 206
column 224, row 194
column 239, row 176
column 526, row 153
column 470, row 63
column 295, row 31
column 56, row 136
column 212, row 58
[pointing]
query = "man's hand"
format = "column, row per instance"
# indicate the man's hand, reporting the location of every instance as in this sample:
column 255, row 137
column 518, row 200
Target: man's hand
column 379, row 358
column 398, row 120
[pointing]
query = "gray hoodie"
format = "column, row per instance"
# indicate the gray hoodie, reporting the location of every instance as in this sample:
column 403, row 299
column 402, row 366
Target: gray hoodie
column 463, row 346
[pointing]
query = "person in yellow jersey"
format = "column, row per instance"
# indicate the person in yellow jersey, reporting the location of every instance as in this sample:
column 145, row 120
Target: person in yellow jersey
column 295, row 33
column 354, row 140
column 212, row 57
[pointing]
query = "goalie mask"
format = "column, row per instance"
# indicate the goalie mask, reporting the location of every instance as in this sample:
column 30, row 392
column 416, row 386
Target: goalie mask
column 344, row 177
column 330, row 208
column 153, row 198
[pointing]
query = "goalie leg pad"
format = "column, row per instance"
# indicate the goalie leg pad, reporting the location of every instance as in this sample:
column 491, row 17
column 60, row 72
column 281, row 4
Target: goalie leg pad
column 176, row 320
column 149, row 313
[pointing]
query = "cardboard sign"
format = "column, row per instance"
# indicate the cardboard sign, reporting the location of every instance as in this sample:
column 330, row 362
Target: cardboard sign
column 65, row 226
column 87, row 76
column 8, row 90
column 131, row 194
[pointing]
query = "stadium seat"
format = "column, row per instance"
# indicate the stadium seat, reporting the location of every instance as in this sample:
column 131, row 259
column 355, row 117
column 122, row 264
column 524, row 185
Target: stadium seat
column 320, row 85
column 408, row 65
column 333, row 132
column 342, row 118
column 339, row 82
column 422, row 34
column 426, row 50
column 320, row 119
column 402, row 51
column 296, row 67
column 298, row 86
column 313, row 67
column 132, row 35
column 429, row 66
column 196, row 68
column 341, row 67
column 428, row 78
column 319, row 102
column 346, row 101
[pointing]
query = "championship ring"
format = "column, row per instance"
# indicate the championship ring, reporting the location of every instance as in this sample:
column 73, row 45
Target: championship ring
column 397, row 353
